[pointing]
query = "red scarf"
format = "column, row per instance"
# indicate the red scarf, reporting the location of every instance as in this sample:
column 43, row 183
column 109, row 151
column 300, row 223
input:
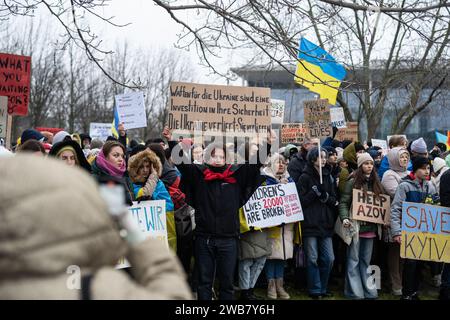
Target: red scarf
column 226, row 176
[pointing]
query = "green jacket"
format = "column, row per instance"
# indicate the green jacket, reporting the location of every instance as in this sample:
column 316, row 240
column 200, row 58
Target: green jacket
column 345, row 206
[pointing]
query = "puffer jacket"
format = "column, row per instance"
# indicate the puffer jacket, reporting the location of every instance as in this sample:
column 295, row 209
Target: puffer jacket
column 158, row 191
column 391, row 179
column 411, row 190
column 43, row 240
column 297, row 164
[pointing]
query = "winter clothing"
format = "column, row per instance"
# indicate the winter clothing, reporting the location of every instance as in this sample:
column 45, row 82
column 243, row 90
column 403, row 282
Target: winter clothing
column 392, row 176
column 363, row 157
column 349, row 156
column 152, row 188
column 419, row 146
column 411, row 190
column 60, row 136
column 320, row 216
column 297, row 165
column 29, row 134
column 38, row 243
column 110, row 168
column 290, row 150
column 441, row 168
column 438, row 164
column 60, row 147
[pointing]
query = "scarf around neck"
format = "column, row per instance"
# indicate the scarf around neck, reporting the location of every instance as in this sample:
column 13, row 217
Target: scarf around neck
column 226, row 175
column 109, row 167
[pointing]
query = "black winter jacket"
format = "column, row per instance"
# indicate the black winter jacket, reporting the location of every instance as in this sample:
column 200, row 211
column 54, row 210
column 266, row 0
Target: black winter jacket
column 296, row 166
column 444, row 189
column 319, row 217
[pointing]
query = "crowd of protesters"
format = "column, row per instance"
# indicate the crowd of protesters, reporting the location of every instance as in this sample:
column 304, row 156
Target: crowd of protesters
column 204, row 194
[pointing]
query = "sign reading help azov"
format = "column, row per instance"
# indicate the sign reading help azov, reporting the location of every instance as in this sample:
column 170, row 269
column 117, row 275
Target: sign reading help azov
column 371, row 208
column 425, row 232
column 15, row 75
column 292, row 132
column 318, row 118
column 236, row 110
column 273, row 205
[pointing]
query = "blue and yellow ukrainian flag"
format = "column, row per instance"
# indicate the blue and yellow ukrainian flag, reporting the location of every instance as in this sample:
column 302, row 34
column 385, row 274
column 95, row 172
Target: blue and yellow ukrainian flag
column 115, row 124
column 442, row 138
column 318, row 71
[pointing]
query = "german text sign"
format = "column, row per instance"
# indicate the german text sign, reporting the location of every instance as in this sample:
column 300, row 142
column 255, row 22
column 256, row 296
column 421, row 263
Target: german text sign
column 151, row 218
column 425, row 232
column 318, row 118
column 348, row 133
column 15, row 74
column 292, row 132
column 273, row 205
column 131, row 110
column 220, row 109
column 100, row 131
column 371, row 208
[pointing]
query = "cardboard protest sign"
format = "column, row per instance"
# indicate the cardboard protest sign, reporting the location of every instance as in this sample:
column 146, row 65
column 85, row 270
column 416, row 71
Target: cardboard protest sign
column 380, row 143
column 338, row 118
column 317, row 118
column 425, row 232
column 218, row 109
column 100, row 131
column 273, row 205
column 277, row 111
column 3, row 116
column 131, row 110
column 292, row 132
column 151, row 218
column 15, row 78
column 368, row 207
column 349, row 133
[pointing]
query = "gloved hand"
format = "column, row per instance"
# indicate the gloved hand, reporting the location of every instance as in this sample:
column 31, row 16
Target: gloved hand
column 335, row 130
column 316, row 190
column 130, row 228
column 346, row 223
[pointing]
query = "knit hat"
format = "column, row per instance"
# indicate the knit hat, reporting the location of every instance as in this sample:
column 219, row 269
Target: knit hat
column 419, row 146
column 419, row 162
column 358, row 147
column 60, row 136
column 29, row 134
column 363, row 157
column 67, row 148
column 438, row 164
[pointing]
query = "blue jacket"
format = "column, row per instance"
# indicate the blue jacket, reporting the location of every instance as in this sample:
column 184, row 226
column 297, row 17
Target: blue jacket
column 384, row 166
column 160, row 193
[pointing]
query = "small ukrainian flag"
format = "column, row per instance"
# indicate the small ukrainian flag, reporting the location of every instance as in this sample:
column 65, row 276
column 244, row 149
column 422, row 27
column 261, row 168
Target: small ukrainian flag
column 115, row 124
column 318, row 71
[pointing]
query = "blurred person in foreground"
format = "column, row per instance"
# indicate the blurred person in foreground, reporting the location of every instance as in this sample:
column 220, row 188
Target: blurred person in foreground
column 42, row 249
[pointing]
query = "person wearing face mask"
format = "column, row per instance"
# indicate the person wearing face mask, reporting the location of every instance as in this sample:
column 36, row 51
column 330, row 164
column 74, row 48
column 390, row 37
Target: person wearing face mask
column 110, row 165
column 216, row 190
column 413, row 188
column 144, row 170
column 319, row 202
column 398, row 158
column 70, row 152
column 359, row 252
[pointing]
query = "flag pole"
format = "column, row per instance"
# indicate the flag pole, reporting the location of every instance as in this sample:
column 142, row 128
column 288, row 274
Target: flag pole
column 320, row 162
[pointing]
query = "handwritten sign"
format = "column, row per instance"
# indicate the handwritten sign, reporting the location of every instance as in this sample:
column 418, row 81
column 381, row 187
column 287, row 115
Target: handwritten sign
column 338, row 118
column 219, row 109
column 131, row 110
column 292, row 132
column 380, row 143
column 151, row 218
column 317, row 118
column 277, row 111
column 273, row 205
column 3, row 116
column 368, row 207
column 15, row 75
column 349, row 133
column 425, row 232
column 100, row 131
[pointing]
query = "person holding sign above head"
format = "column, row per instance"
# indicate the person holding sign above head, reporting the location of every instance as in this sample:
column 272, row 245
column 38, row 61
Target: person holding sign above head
column 359, row 251
column 398, row 158
column 413, row 188
column 319, row 202
column 216, row 190
column 144, row 170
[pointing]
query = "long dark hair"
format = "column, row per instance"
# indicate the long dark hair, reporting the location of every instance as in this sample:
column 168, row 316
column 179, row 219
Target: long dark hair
column 360, row 181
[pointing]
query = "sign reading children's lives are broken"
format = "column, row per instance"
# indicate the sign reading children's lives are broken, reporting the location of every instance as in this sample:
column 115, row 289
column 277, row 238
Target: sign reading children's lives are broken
column 211, row 108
